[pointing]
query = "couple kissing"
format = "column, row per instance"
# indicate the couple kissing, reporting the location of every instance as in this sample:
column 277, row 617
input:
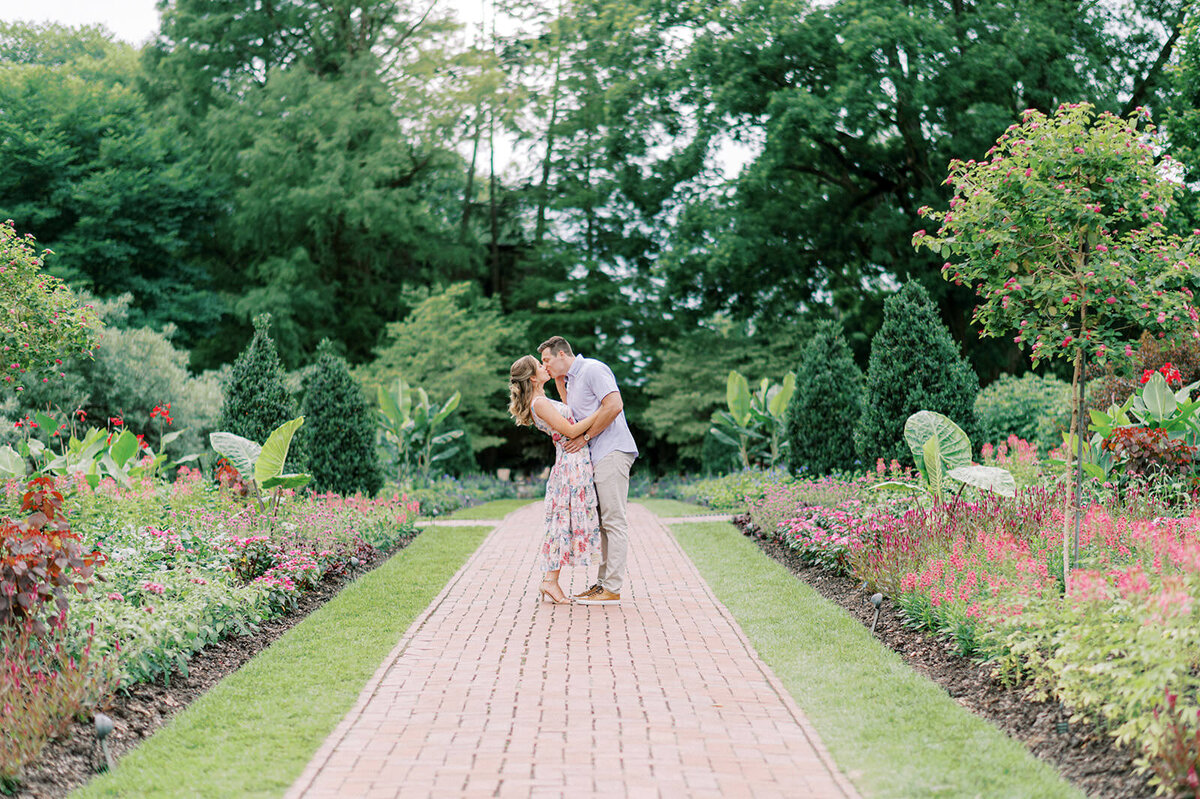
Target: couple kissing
column 588, row 488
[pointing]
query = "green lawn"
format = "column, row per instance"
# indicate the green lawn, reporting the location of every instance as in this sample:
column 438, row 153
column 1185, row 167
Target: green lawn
column 496, row 509
column 895, row 733
column 673, row 507
column 253, row 734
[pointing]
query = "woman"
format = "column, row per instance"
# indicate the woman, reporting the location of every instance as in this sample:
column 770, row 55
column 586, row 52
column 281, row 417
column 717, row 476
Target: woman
column 572, row 520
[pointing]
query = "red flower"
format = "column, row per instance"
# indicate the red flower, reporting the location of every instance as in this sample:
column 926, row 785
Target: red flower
column 116, row 421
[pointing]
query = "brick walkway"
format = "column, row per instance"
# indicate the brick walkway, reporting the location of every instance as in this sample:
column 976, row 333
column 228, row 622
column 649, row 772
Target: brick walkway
column 491, row 693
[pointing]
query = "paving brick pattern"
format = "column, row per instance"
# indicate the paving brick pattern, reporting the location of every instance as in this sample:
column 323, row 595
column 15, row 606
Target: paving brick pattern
column 492, row 693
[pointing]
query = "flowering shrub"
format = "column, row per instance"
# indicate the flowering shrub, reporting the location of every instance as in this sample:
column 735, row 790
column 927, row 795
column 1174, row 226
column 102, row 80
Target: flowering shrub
column 1017, row 455
column 1119, row 649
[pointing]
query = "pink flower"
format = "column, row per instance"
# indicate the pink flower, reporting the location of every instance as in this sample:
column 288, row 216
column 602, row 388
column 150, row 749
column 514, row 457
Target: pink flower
column 1111, row 301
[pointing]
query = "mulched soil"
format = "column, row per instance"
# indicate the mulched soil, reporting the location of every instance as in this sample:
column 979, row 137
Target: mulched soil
column 67, row 763
column 1084, row 754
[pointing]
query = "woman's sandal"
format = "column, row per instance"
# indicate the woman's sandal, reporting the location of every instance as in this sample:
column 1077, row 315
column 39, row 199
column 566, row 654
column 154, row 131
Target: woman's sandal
column 544, row 594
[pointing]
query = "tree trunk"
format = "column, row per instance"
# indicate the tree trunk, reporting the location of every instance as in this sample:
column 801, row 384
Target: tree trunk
column 469, row 192
column 544, row 187
column 1069, row 508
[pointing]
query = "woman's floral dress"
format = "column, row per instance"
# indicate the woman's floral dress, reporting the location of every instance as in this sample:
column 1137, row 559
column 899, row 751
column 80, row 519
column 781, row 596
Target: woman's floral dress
column 572, row 518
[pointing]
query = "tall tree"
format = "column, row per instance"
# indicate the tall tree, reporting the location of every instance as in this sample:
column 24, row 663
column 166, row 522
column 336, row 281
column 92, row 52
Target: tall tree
column 86, row 167
column 335, row 205
column 855, row 106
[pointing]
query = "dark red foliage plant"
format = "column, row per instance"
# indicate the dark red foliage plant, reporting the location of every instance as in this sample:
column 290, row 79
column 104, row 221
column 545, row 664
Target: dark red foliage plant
column 41, row 560
column 1149, row 451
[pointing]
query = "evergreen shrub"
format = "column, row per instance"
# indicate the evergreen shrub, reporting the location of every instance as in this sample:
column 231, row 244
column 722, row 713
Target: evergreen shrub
column 1033, row 407
column 915, row 365
column 826, row 405
column 257, row 399
column 341, row 429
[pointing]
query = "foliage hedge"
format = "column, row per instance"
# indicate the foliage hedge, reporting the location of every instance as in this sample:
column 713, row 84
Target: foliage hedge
column 1032, row 407
column 915, row 365
column 826, row 405
column 341, row 429
column 257, row 399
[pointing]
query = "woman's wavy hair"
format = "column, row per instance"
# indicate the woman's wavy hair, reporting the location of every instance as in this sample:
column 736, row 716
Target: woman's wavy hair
column 520, row 389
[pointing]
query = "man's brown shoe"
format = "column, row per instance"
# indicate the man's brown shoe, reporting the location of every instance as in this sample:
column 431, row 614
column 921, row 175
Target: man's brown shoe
column 601, row 597
column 588, row 592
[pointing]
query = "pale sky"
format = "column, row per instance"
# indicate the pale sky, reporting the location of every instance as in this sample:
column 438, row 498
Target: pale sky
column 135, row 21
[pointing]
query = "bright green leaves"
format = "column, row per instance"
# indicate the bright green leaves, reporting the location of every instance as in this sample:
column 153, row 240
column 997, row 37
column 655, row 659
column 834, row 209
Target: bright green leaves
column 41, row 322
column 262, row 463
column 269, row 463
column 1060, row 232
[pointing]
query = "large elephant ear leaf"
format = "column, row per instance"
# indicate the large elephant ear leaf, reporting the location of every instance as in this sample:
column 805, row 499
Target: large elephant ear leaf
column 275, row 450
column 953, row 445
column 240, row 452
column 986, row 478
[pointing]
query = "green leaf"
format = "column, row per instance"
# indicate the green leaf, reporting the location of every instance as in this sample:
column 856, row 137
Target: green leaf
column 986, row 478
column 953, row 445
column 778, row 403
column 114, row 470
column 896, row 485
column 12, row 465
column 1158, row 399
column 171, row 436
column 446, row 409
column 724, row 438
column 932, row 468
column 45, row 422
column 1094, row 470
column 389, row 408
column 290, row 481
column 124, row 448
column 737, row 397
column 240, row 452
column 274, row 451
column 446, row 453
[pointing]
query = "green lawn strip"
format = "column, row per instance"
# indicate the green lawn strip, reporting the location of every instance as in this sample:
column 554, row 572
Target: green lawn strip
column 893, row 731
column 253, row 733
column 673, row 507
column 496, row 509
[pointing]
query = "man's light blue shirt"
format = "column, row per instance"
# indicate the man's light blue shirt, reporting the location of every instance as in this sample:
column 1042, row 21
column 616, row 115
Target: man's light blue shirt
column 588, row 382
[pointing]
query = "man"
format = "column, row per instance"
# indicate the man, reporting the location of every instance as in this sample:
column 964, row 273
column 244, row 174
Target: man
column 590, row 386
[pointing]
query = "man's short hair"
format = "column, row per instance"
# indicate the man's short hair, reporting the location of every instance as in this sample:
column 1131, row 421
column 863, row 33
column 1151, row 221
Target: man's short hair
column 555, row 344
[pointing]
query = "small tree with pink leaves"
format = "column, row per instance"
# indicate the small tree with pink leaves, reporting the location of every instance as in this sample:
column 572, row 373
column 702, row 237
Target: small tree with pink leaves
column 1060, row 232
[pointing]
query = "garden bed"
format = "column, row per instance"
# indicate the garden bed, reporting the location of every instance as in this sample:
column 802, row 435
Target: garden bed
column 67, row 763
column 1084, row 754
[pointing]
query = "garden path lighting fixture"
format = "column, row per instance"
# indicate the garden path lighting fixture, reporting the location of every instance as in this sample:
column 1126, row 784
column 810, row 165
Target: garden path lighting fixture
column 876, row 600
column 104, row 726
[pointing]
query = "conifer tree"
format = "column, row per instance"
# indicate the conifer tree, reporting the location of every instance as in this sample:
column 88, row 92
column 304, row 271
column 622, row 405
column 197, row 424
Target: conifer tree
column 826, row 405
column 341, row 428
column 915, row 365
column 257, row 399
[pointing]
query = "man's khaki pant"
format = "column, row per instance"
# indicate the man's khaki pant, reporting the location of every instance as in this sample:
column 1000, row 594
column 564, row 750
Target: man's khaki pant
column 612, row 493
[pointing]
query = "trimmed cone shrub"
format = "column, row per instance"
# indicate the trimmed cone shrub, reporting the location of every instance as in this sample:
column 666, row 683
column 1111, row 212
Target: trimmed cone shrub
column 915, row 365
column 825, row 408
column 341, row 429
column 257, row 399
